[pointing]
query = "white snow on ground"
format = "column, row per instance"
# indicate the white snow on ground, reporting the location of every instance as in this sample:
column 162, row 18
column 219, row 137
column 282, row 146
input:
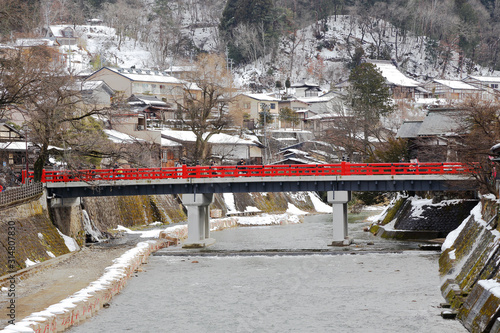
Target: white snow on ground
column 229, row 200
column 156, row 223
column 52, row 255
column 29, row 263
column 40, row 235
column 71, row 244
column 319, row 205
column 491, row 285
column 113, row 273
column 154, row 233
column 417, row 206
column 252, row 209
column 452, row 236
column 292, row 209
column 376, row 217
column 266, row 219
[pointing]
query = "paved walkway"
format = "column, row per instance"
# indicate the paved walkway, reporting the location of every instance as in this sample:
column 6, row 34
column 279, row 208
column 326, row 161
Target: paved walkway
column 48, row 283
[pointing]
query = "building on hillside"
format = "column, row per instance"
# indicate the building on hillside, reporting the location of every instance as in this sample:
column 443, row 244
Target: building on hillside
column 131, row 81
column 157, row 113
column 331, row 102
column 490, row 84
column 306, row 89
column 62, row 34
column 402, row 87
column 224, row 148
column 436, row 138
column 13, row 145
column 97, row 93
column 180, row 72
column 247, row 108
column 308, row 152
column 319, row 123
column 452, row 90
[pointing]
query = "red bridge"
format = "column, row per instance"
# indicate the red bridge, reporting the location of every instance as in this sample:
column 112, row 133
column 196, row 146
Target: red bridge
column 259, row 178
column 198, row 183
column 187, row 172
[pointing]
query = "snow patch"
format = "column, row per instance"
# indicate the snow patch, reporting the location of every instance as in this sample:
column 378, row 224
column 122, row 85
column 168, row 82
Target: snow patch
column 319, row 205
column 292, row 209
column 229, row 200
column 90, row 228
column 52, row 255
column 71, row 244
column 29, row 263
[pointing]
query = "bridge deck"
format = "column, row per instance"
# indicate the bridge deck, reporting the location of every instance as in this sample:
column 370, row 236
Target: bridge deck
column 284, row 178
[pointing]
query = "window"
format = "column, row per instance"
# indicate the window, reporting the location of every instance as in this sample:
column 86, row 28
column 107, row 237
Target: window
column 246, row 105
column 273, row 106
column 494, row 85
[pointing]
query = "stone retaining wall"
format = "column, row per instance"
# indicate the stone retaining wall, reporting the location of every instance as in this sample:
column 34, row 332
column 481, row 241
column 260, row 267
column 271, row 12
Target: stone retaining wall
column 470, row 270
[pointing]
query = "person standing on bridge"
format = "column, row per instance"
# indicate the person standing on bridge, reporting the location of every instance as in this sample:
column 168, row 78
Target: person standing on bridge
column 240, row 165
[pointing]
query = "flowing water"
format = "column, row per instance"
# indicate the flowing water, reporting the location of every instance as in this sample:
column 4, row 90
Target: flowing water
column 283, row 279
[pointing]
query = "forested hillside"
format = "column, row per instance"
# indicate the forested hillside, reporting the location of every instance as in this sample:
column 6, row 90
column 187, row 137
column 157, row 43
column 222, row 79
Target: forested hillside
column 284, row 38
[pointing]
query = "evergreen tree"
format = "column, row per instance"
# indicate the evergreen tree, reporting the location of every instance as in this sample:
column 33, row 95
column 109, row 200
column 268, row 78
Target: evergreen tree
column 370, row 98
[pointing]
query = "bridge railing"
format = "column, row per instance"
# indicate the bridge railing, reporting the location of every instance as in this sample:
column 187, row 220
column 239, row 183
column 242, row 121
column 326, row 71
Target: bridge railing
column 185, row 172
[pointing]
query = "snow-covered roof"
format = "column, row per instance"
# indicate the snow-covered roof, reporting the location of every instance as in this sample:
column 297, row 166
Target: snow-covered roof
column 220, row 138
column 296, row 160
column 295, row 151
column 147, row 100
column 455, row 84
column 119, row 137
column 146, row 75
column 393, row 75
column 316, row 99
column 320, row 116
column 304, row 84
column 495, row 147
column 28, row 42
column 485, row 78
column 262, row 97
column 57, row 30
column 169, row 143
column 14, row 145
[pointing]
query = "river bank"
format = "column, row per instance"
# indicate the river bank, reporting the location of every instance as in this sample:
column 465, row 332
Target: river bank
column 59, row 296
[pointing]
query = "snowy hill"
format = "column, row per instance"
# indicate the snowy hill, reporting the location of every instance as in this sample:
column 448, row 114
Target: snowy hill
column 315, row 53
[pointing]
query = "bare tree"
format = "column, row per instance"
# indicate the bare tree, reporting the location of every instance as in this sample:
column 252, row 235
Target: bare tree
column 51, row 104
column 207, row 93
column 480, row 128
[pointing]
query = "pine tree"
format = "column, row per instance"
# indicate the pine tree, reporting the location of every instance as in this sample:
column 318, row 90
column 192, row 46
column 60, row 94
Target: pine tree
column 370, row 98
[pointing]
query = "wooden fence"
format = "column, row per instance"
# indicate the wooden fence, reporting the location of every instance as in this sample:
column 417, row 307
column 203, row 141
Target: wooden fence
column 19, row 194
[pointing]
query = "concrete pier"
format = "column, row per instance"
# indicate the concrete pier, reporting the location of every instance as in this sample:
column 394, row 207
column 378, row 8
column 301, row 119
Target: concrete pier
column 339, row 200
column 198, row 219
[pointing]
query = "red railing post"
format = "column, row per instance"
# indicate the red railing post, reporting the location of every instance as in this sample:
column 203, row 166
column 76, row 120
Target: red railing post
column 343, row 169
column 43, row 176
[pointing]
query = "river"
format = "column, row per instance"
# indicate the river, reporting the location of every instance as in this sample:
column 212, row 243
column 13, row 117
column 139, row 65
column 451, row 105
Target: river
column 283, row 279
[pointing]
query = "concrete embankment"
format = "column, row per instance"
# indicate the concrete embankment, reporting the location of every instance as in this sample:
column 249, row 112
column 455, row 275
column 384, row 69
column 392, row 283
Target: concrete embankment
column 86, row 302
column 469, row 267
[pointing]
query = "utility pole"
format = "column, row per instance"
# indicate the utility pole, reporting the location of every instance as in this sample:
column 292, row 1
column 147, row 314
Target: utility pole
column 264, row 107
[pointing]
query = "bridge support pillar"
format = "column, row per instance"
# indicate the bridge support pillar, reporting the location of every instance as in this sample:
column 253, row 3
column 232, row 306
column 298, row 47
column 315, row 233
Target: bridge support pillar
column 198, row 219
column 339, row 200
